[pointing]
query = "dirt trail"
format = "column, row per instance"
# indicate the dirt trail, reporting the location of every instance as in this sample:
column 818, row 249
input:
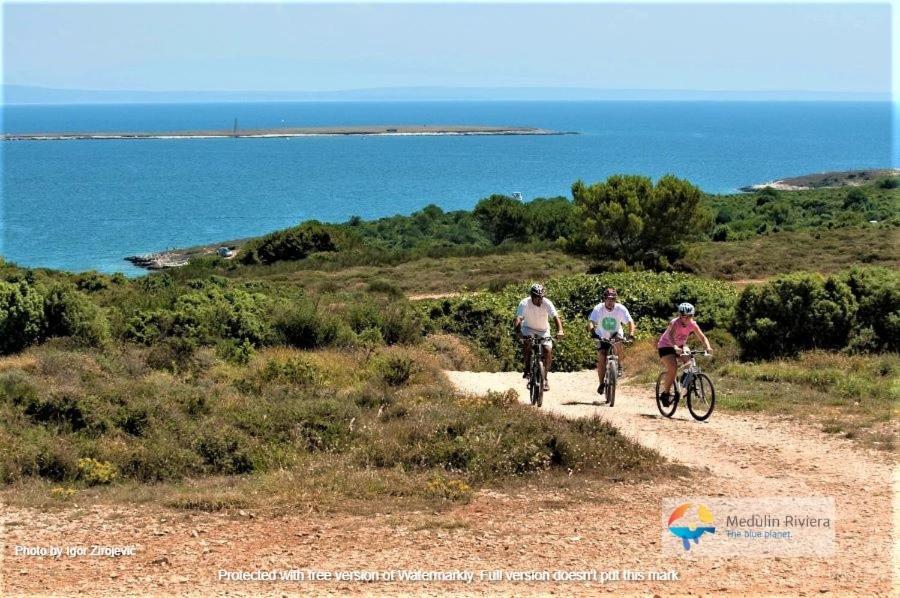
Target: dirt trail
column 616, row 528
column 747, row 456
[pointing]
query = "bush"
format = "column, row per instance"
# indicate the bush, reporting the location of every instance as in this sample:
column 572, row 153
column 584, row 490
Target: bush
column 296, row 370
column 224, row 451
column 401, row 324
column 857, row 199
column 69, row 313
column 291, row 244
column 95, row 473
column 148, row 326
column 792, row 313
column 877, row 292
column 393, row 368
column 239, row 353
column 212, row 313
column 302, row 326
column 502, row 217
column 22, row 320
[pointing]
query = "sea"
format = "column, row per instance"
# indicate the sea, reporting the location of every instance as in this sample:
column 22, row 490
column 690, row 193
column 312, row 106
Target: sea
column 86, row 204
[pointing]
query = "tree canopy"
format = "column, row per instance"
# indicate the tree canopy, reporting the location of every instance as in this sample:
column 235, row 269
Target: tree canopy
column 629, row 218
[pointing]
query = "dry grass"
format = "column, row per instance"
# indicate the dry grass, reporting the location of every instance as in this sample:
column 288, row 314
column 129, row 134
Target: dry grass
column 435, row 275
column 821, row 250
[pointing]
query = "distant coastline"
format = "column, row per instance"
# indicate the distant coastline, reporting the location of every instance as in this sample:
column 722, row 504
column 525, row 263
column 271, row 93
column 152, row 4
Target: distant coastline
column 177, row 257
column 844, row 178
column 400, row 130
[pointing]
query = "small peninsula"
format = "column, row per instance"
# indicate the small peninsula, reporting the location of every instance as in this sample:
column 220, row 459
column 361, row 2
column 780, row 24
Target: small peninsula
column 363, row 130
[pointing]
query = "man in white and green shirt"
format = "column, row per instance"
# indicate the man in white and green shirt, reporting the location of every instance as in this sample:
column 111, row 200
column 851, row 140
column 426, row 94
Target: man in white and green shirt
column 605, row 323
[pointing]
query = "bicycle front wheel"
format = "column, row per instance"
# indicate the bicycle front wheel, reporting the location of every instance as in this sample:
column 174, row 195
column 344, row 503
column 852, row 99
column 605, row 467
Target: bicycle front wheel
column 612, row 374
column 701, row 397
column 666, row 410
column 538, row 375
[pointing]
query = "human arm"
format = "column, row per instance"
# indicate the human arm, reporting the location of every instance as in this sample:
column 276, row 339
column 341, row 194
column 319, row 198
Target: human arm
column 559, row 327
column 520, row 315
column 629, row 320
column 703, row 338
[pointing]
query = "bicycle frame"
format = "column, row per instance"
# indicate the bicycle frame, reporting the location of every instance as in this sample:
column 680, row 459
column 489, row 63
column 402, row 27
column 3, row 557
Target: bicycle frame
column 537, row 350
column 612, row 356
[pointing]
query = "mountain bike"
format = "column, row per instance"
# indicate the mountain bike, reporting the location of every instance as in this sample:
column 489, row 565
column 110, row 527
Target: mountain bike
column 692, row 384
column 538, row 371
column 611, row 378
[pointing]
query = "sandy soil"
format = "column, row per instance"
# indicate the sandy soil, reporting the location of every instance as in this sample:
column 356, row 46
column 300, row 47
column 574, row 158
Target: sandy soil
column 736, row 456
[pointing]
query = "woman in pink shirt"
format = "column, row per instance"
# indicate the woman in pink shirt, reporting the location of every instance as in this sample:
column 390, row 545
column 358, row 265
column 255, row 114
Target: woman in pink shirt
column 672, row 342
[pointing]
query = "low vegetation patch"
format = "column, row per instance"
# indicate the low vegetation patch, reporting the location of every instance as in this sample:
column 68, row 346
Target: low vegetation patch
column 82, row 418
column 856, row 397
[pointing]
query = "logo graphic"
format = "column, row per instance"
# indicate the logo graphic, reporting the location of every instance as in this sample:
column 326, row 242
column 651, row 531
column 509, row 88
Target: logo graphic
column 702, row 525
column 609, row 324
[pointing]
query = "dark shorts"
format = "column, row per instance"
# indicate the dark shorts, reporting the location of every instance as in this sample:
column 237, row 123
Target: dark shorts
column 604, row 344
column 663, row 351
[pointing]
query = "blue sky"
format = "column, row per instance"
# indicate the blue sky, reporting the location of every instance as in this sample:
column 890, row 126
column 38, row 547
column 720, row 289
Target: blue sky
column 303, row 47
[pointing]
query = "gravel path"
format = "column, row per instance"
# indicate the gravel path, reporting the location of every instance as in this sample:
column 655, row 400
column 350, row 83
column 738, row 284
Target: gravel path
column 615, row 529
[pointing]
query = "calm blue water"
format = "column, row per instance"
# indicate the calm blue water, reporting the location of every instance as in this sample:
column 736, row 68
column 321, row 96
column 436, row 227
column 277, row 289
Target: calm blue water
column 81, row 205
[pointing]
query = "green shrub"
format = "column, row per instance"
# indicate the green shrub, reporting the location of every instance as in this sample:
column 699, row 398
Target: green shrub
column 224, row 451
column 302, row 326
column 394, row 368
column 69, row 313
column 93, row 282
column 502, row 217
column 22, row 320
column 857, row 199
column 239, row 353
column 877, row 292
column 297, row 370
column 292, row 244
column 792, row 313
column 233, row 314
column 401, row 324
column 17, row 388
column 148, row 326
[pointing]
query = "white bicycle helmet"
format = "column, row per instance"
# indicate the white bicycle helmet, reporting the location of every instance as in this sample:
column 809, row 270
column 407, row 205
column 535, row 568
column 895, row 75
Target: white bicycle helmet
column 686, row 309
column 537, row 289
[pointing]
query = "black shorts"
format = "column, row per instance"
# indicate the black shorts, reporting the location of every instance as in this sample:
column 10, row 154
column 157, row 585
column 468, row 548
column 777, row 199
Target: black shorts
column 663, row 351
column 604, row 344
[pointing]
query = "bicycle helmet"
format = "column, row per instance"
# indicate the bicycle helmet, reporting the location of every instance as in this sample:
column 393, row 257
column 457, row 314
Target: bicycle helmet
column 686, row 309
column 537, row 289
column 610, row 293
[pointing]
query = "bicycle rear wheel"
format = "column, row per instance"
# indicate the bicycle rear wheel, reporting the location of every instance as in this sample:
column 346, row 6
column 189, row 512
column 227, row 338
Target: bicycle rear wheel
column 612, row 375
column 667, row 411
column 701, row 397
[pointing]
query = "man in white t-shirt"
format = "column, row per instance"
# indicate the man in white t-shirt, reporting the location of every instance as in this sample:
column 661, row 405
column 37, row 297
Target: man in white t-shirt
column 533, row 317
column 605, row 323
